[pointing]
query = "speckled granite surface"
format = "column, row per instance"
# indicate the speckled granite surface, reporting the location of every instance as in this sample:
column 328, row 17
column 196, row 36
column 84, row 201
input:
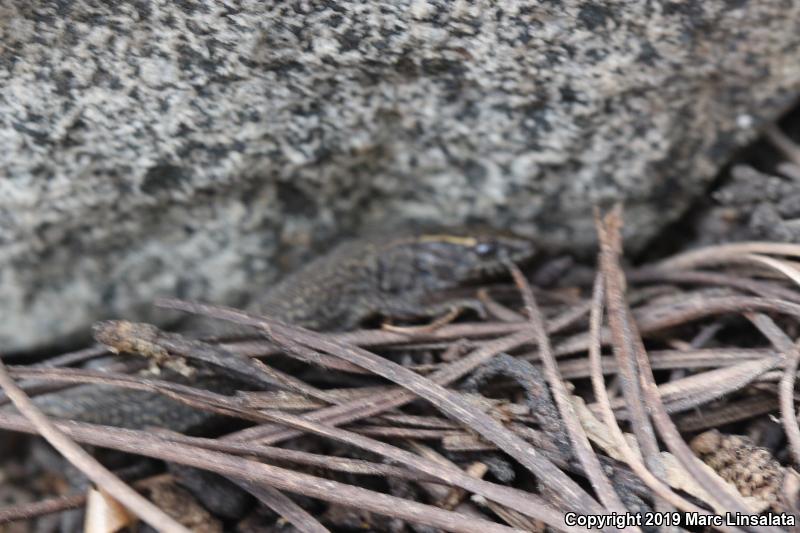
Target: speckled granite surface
column 198, row 147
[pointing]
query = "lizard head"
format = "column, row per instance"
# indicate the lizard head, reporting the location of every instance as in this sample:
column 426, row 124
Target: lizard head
column 446, row 259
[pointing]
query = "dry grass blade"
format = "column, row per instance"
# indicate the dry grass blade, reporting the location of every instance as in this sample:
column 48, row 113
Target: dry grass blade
column 631, row 388
column 146, row 339
column 580, row 443
column 698, row 389
column 330, row 462
column 459, row 425
column 87, row 464
column 792, row 355
column 632, row 458
column 626, row 334
column 285, row 507
column 786, row 394
column 705, row 278
column 147, row 444
column 686, row 359
column 27, row 511
column 379, row 403
column 731, row 412
column 515, row 499
column 293, row 338
column 520, row 501
column 451, row 498
column 690, row 308
column 724, row 253
column 197, row 398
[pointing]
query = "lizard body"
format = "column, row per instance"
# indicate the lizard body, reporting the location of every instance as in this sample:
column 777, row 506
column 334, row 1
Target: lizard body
column 337, row 291
column 366, row 277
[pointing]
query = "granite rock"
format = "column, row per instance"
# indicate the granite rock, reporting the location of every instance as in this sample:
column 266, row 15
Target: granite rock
column 198, row 148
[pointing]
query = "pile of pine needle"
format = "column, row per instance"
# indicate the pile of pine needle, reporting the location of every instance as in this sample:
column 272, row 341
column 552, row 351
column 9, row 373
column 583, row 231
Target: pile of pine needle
column 612, row 392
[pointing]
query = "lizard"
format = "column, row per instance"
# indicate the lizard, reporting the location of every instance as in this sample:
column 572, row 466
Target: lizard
column 359, row 279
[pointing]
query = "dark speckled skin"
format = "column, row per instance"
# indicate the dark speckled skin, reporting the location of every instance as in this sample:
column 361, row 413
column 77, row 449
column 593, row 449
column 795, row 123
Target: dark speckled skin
column 337, row 291
column 133, row 409
column 389, row 276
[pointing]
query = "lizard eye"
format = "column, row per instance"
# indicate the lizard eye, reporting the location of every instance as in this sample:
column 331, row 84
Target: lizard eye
column 485, row 248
